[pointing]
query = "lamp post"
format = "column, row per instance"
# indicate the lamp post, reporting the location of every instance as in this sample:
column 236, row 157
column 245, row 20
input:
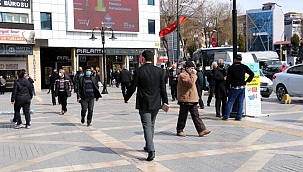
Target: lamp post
column 235, row 34
column 178, row 32
column 103, row 29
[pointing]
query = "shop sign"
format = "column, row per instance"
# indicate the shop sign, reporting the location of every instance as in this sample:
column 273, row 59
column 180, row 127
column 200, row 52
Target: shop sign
column 127, row 52
column 89, row 51
column 17, row 36
column 15, row 3
column 16, row 49
column 63, row 58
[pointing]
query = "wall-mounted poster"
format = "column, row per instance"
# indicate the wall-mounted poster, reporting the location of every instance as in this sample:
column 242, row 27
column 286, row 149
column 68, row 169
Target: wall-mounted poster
column 120, row 15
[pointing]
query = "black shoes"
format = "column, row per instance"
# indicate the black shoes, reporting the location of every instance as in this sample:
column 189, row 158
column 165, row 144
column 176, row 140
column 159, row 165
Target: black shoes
column 145, row 149
column 88, row 124
column 208, row 104
column 82, row 120
column 151, row 156
column 225, row 119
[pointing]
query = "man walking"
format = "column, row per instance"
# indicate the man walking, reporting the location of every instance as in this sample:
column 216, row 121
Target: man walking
column 63, row 89
column 87, row 92
column 151, row 89
column 188, row 100
column 173, row 81
column 219, row 77
column 235, row 85
column 2, row 85
column 126, row 78
column 53, row 79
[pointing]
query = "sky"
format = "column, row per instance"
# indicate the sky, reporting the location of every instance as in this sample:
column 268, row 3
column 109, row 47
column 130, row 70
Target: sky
column 287, row 5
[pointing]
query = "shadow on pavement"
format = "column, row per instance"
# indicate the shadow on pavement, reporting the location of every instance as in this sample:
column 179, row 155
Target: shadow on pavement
column 98, row 149
column 6, row 125
column 290, row 121
column 64, row 124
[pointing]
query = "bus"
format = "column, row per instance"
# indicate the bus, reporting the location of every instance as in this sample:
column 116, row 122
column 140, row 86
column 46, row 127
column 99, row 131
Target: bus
column 205, row 56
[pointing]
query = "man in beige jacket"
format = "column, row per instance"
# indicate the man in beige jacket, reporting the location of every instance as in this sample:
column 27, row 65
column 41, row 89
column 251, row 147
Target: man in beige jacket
column 188, row 99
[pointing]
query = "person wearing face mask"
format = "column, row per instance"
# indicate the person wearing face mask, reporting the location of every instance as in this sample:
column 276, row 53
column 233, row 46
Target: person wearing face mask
column 63, row 89
column 188, row 99
column 87, row 93
column 219, row 77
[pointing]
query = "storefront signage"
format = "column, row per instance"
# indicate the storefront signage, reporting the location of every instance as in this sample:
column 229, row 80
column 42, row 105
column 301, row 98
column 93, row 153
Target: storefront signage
column 16, row 36
column 16, row 49
column 110, row 51
column 252, row 93
column 121, row 15
column 15, row 3
column 63, row 58
column 87, row 51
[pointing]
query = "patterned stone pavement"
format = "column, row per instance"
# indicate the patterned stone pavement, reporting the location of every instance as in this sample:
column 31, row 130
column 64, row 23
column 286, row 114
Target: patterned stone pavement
column 115, row 141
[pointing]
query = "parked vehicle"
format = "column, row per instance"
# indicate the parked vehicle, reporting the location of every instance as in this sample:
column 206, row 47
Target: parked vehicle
column 265, row 85
column 270, row 67
column 289, row 82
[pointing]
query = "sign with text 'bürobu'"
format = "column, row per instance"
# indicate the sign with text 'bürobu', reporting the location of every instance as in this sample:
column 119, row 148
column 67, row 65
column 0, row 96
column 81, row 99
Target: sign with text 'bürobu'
column 16, row 3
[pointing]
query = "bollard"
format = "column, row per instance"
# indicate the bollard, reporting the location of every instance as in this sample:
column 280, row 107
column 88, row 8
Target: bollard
column 286, row 99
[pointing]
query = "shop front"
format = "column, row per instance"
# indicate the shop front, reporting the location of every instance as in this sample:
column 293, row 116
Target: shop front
column 13, row 58
column 54, row 58
column 115, row 58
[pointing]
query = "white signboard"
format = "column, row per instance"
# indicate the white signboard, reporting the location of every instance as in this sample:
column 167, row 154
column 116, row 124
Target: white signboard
column 252, row 93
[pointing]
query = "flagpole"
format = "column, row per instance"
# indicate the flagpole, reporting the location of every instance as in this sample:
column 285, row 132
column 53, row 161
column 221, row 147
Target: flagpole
column 178, row 32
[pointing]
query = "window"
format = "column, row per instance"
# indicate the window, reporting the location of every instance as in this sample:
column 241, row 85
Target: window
column 151, row 26
column 151, row 2
column 14, row 17
column 46, row 21
column 296, row 70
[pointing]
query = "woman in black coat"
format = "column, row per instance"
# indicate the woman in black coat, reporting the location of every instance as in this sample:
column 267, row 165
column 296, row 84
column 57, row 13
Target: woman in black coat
column 220, row 90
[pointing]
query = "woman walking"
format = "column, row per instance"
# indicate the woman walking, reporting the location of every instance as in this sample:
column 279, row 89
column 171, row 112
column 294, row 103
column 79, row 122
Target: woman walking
column 21, row 98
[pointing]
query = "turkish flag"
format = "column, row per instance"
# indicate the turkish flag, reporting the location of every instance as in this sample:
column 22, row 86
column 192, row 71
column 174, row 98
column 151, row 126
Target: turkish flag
column 214, row 42
column 171, row 27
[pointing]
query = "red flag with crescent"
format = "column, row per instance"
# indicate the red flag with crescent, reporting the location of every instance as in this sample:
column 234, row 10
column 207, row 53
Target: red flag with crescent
column 171, row 27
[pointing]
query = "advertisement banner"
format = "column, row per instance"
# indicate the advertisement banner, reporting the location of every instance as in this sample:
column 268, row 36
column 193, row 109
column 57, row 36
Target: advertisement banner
column 120, row 15
column 16, row 49
column 16, row 3
column 15, row 36
column 252, row 93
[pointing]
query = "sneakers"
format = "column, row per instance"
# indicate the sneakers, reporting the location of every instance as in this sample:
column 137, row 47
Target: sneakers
column 63, row 112
column 27, row 126
column 204, row 132
column 82, row 120
column 19, row 126
column 181, row 134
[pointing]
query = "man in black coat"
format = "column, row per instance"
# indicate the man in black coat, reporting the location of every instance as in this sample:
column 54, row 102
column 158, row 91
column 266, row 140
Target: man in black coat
column 76, row 78
column 219, row 77
column 151, row 89
column 126, row 78
column 211, row 82
column 87, row 93
column 52, row 81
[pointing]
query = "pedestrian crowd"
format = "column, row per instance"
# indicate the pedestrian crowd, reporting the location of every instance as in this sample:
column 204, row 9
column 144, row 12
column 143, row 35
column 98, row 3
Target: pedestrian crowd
column 187, row 83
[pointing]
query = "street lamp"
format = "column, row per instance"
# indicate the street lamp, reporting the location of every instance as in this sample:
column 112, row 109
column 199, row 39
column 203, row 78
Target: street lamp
column 178, row 32
column 102, row 29
column 235, row 34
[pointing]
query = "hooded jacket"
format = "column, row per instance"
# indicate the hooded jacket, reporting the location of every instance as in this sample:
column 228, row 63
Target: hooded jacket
column 23, row 90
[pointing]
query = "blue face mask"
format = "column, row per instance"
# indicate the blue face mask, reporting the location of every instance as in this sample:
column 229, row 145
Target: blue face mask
column 88, row 73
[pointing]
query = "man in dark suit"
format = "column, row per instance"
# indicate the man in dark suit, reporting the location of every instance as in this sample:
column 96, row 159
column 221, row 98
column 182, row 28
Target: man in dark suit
column 151, row 89
column 126, row 78
column 53, row 79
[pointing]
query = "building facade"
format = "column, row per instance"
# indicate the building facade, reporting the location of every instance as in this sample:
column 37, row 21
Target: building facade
column 265, row 26
column 56, row 35
column 293, row 25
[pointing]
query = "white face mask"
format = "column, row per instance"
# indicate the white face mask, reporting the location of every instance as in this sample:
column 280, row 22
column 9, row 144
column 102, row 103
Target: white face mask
column 60, row 74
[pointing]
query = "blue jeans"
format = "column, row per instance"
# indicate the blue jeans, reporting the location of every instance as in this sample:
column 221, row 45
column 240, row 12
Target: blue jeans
column 232, row 97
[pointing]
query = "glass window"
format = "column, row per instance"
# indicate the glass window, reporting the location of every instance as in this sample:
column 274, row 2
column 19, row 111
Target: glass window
column 151, row 2
column 296, row 70
column 46, row 21
column 23, row 18
column 151, row 26
column 9, row 17
column 16, row 18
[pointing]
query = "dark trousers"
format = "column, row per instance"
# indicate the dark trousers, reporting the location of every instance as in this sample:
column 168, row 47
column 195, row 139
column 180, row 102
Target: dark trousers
column 2, row 89
column 148, row 119
column 200, row 91
column 124, row 87
column 53, row 97
column 87, row 104
column 183, row 112
column 24, row 104
column 62, row 98
column 211, row 93
column 220, row 101
column 173, row 89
